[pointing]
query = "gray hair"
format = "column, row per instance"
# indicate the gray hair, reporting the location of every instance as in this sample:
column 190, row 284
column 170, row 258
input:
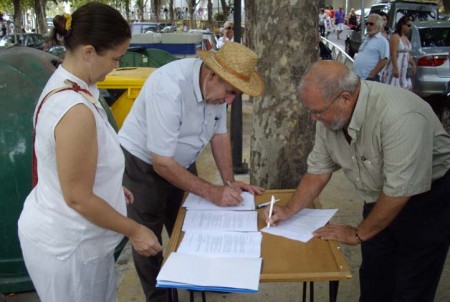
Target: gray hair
column 379, row 21
column 331, row 86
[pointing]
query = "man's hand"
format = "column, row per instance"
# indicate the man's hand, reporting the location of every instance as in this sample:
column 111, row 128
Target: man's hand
column 248, row 188
column 339, row 232
column 279, row 214
column 226, row 196
column 144, row 241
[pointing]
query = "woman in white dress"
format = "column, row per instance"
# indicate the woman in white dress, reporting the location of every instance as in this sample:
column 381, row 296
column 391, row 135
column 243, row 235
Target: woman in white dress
column 396, row 72
column 75, row 216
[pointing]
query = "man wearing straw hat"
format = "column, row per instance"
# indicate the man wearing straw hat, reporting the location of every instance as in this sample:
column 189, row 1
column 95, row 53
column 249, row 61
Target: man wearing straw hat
column 180, row 109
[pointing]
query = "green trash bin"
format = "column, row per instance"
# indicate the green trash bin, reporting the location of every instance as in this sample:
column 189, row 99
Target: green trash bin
column 146, row 57
column 24, row 72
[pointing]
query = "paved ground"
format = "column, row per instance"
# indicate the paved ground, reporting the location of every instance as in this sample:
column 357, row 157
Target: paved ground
column 338, row 194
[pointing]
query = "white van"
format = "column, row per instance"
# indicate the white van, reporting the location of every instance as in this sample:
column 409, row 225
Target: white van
column 417, row 11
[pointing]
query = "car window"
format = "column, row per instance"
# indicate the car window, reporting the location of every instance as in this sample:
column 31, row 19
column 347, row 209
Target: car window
column 380, row 8
column 415, row 15
column 434, row 37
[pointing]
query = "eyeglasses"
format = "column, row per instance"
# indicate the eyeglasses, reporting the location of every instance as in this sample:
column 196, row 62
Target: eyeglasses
column 370, row 23
column 229, row 28
column 318, row 114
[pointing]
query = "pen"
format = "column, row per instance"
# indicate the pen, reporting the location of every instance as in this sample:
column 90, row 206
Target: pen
column 272, row 201
column 265, row 204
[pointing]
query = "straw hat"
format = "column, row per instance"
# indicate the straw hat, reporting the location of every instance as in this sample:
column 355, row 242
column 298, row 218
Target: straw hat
column 235, row 64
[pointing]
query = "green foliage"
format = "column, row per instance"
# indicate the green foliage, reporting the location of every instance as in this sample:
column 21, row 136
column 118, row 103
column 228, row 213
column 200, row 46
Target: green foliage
column 219, row 17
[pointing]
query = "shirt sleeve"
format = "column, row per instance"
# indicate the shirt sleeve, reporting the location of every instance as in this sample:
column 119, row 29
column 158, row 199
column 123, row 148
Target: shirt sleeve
column 163, row 115
column 320, row 160
column 407, row 155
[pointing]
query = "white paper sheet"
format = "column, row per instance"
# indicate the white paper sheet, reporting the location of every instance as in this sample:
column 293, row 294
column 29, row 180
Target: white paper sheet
column 194, row 202
column 221, row 244
column 239, row 273
column 243, row 221
column 301, row 226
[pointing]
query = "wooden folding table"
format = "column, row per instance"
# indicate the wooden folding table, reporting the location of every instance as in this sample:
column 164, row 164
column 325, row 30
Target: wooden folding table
column 286, row 260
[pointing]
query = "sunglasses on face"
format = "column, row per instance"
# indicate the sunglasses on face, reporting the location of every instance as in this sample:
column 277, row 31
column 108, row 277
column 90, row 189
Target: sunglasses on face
column 409, row 25
column 229, row 28
column 370, row 23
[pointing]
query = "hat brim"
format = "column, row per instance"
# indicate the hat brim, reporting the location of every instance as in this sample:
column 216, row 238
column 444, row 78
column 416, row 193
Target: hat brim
column 253, row 87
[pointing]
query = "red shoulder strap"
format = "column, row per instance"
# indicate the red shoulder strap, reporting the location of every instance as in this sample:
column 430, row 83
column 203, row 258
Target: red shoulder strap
column 75, row 87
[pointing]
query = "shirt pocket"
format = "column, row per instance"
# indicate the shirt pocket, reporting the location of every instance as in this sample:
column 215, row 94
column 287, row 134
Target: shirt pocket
column 371, row 171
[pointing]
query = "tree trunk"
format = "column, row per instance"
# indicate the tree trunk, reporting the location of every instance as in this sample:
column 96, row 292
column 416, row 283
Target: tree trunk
column 210, row 15
column 226, row 9
column 41, row 22
column 127, row 9
column 285, row 40
column 446, row 4
column 17, row 17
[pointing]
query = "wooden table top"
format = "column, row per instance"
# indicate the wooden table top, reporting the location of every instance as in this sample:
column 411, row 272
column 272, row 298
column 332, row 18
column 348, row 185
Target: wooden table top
column 286, row 260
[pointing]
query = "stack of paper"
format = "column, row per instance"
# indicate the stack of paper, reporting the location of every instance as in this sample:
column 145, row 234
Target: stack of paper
column 220, row 250
column 223, row 274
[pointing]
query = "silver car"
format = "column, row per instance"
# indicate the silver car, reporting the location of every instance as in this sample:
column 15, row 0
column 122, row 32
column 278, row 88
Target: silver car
column 430, row 48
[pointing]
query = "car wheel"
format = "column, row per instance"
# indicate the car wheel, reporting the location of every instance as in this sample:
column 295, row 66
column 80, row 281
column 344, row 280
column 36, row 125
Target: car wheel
column 348, row 50
column 445, row 118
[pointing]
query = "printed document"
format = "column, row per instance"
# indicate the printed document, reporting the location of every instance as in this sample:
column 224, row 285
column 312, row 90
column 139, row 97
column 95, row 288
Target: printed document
column 194, row 202
column 301, row 226
column 210, row 273
column 242, row 221
column 221, row 244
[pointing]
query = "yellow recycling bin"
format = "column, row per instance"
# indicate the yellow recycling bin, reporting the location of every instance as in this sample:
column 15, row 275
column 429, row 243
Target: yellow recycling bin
column 121, row 87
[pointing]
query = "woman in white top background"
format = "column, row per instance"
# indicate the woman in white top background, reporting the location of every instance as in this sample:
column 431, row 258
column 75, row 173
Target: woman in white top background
column 76, row 214
column 396, row 72
column 228, row 34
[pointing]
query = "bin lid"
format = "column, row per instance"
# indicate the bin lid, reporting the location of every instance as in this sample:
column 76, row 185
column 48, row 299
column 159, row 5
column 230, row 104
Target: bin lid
column 126, row 77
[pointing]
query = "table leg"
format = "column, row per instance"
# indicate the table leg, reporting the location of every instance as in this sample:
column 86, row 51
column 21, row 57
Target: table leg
column 304, row 291
column 334, row 286
column 172, row 295
column 203, row 296
column 311, row 291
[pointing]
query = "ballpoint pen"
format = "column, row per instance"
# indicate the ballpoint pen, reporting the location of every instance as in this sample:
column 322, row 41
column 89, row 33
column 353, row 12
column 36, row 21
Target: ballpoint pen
column 265, row 204
column 272, row 201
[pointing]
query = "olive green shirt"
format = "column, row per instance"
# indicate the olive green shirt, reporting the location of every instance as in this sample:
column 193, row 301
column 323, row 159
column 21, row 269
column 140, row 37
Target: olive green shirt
column 398, row 146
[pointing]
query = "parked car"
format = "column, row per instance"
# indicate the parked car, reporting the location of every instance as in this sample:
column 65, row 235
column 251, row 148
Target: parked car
column 430, row 43
column 32, row 40
column 353, row 41
column 209, row 41
column 143, row 27
column 418, row 11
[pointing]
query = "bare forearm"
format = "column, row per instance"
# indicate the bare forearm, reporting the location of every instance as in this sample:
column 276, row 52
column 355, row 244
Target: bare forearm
column 383, row 213
column 221, row 150
column 377, row 68
column 100, row 213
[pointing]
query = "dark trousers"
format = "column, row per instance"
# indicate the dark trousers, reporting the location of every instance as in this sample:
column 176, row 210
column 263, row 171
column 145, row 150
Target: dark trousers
column 156, row 204
column 404, row 262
